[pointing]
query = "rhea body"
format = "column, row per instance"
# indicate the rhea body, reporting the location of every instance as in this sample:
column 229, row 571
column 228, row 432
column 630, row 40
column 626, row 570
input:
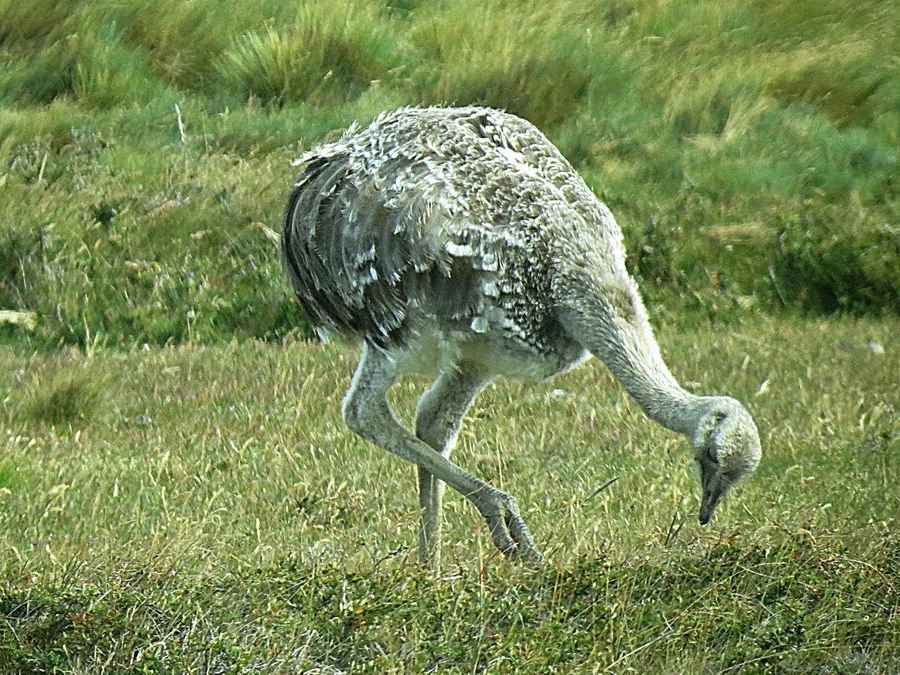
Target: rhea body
column 460, row 242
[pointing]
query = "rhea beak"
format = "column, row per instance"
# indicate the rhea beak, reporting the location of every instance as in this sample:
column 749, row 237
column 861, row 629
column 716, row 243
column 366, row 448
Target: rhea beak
column 708, row 506
column 712, row 493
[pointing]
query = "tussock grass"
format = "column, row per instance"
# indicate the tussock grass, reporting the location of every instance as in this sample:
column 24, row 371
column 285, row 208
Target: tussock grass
column 96, row 70
column 534, row 63
column 63, row 398
column 66, row 392
column 37, row 21
column 331, row 53
column 215, row 512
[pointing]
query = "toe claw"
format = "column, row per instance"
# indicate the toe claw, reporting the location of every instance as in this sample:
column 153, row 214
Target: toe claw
column 509, row 531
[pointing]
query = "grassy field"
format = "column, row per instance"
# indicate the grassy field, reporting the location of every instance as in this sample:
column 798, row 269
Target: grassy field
column 749, row 149
column 188, row 508
column 177, row 491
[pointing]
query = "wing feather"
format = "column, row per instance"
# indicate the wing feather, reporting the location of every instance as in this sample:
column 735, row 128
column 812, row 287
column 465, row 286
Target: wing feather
column 358, row 256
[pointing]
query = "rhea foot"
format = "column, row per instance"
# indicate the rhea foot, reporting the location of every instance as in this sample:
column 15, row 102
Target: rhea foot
column 508, row 529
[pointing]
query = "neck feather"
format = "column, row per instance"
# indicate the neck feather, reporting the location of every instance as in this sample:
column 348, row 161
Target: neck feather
column 648, row 380
column 613, row 326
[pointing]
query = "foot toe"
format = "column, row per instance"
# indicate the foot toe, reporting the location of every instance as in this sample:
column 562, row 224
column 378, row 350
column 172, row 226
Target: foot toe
column 509, row 531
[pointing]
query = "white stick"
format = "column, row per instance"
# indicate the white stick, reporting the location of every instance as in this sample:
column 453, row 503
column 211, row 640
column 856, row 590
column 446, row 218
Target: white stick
column 180, row 125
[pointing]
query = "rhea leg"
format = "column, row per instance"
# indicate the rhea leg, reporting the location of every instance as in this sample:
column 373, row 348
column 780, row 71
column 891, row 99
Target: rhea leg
column 366, row 411
column 439, row 416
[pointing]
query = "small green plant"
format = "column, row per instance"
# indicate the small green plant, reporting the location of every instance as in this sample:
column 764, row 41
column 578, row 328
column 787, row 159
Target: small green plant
column 66, row 395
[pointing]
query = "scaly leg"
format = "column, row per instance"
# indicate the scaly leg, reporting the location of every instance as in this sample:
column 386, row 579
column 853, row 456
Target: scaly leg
column 439, row 416
column 366, row 411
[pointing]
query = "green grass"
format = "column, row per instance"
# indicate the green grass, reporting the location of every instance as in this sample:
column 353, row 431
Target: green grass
column 177, row 491
column 64, row 398
column 749, row 150
column 210, row 509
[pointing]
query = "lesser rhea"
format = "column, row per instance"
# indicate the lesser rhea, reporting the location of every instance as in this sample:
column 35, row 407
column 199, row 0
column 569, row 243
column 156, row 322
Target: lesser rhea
column 459, row 241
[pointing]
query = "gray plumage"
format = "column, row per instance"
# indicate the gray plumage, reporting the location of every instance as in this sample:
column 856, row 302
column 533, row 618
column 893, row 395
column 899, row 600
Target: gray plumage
column 459, row 240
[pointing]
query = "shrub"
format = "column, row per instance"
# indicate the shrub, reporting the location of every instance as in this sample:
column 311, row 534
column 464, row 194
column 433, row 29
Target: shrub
column 824, row 265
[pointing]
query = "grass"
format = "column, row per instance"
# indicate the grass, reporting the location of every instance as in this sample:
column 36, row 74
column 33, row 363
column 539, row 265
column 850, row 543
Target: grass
column 64, row 398
column 212, row 511
column 749, row 150
column 177, row 491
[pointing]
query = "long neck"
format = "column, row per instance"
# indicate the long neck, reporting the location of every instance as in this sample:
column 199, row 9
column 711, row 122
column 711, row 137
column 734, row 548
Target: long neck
column 610, row 321
column 645, row 376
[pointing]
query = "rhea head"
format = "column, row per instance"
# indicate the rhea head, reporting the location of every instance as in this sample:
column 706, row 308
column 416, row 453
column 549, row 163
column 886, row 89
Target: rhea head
column 726, row 448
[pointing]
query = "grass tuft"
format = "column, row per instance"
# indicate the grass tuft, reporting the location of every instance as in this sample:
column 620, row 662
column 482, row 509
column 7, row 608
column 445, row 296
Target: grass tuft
column 95, row 69
column 332, row 53
column 491, row 54
column 65, row 396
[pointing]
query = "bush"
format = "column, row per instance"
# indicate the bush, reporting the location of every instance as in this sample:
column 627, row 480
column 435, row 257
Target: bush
column 823, row 265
